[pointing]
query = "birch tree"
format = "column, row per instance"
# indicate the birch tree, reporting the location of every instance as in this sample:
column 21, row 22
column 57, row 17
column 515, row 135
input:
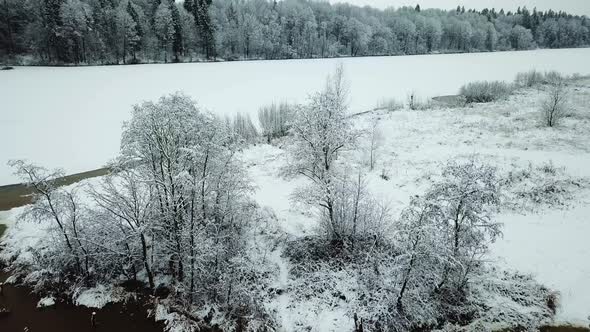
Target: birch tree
column 321, row 130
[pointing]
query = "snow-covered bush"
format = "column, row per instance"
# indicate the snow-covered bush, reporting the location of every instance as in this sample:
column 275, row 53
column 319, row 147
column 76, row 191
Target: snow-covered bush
column 529, row 79
column 502, row 300
column 485, row 91
column 357, row 215
column 534, row 78
column 555, row 106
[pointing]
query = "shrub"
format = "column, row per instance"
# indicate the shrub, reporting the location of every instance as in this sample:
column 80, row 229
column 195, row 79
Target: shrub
column 485, row 91
column 529, row 78
column 554, row 106
column 533, row 77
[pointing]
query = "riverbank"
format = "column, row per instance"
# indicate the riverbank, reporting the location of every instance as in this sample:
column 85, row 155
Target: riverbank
column 23, row 312
column 16, row 195
column 28, row 62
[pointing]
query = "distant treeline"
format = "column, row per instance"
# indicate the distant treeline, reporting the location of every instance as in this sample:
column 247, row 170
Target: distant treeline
column 132, row 31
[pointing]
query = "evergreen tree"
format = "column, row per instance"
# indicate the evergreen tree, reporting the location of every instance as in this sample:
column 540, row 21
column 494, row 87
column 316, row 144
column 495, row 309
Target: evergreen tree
column 164, row 27
column 177, row 44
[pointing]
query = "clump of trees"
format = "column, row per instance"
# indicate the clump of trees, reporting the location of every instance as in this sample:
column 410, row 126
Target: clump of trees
column 413, row 272
column 274, row 119
column 122, row 31
column 175, row 207
column 243, row 127
column 421, row 270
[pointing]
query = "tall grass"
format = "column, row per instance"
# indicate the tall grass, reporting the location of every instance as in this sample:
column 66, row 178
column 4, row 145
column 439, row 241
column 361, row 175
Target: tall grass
column 533, row 77
column 274, row 119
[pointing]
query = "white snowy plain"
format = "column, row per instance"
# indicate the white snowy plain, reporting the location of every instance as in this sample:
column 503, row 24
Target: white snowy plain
column 72, row 117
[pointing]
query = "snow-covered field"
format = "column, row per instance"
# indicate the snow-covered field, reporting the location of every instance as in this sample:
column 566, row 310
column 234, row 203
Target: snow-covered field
column 71, row 117
column 548, row 241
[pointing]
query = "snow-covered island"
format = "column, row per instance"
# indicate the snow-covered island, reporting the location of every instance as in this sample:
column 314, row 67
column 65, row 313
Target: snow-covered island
column 469, row 215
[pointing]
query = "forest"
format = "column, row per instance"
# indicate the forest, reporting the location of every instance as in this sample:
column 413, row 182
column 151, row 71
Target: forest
column 75, row 32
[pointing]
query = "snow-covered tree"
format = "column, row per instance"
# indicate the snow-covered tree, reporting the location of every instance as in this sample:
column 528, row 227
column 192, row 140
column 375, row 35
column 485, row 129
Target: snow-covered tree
column 521, row 38
column 59, row 206
column 554, row 106
column 321, row 130
column 200, row 192
column 127, row 35
column 76, row 19
column 467, row 195
column 164, row 27
column 417, row 233
column 124, row 198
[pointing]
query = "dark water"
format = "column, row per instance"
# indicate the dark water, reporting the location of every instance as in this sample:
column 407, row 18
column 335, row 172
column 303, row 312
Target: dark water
column 64, row 317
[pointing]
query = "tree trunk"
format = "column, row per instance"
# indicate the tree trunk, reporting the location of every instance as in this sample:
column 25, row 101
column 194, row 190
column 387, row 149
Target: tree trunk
column 145, row 262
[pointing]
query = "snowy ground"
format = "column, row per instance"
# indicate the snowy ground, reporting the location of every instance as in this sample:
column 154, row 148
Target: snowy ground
column 548, row 242
column 71, row 117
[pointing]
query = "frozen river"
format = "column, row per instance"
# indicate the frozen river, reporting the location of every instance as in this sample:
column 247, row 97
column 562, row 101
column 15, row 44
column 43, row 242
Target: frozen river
column 72, row 117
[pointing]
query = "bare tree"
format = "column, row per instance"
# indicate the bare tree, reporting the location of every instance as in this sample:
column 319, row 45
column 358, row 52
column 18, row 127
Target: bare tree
column 554, row 106
column 53, row 203
column 321, row 130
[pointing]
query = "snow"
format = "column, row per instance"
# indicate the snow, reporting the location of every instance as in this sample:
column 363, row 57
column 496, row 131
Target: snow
column 281, row 303
column 71, row 117
column 46, row 302
column 553, row 247
column 264, row 163
column 549, row 243
column 95, row 297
